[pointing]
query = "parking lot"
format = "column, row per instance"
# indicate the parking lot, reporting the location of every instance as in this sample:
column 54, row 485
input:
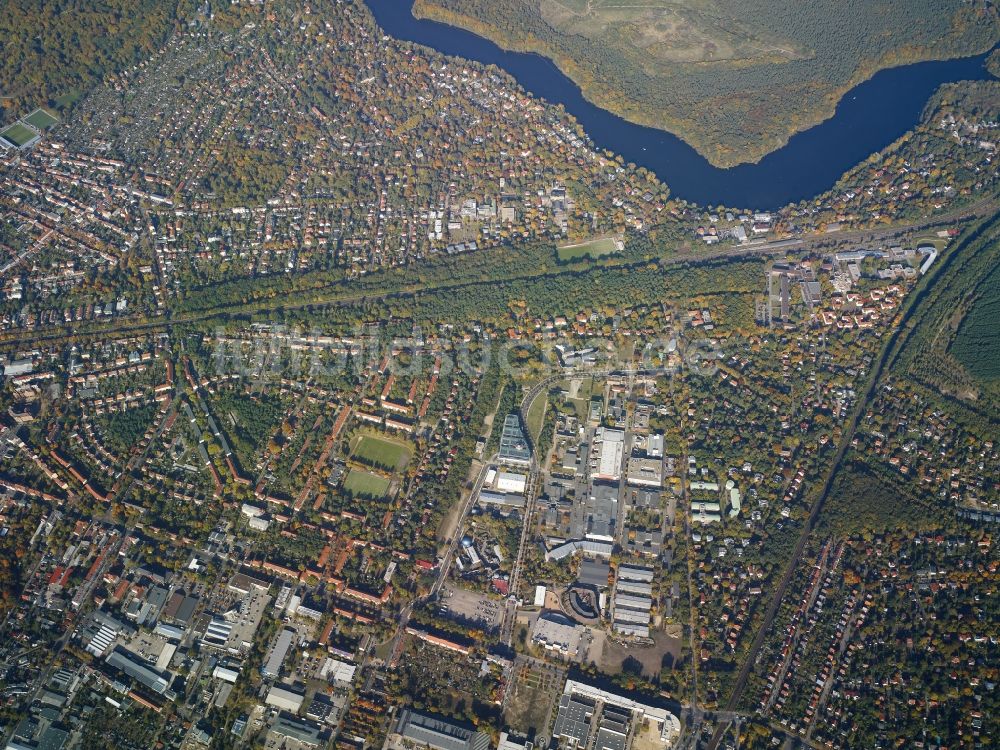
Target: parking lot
column 471, row 606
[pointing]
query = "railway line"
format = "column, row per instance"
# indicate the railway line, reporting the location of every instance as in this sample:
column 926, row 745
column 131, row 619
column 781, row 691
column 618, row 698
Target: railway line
column 14, row 338
column 892, row 347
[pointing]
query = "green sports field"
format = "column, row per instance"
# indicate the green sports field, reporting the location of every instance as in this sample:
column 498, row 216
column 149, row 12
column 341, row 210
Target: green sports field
column 364, row 484
column 41, row 119
column 591, row 249
column 18, row 134
column 381, row 452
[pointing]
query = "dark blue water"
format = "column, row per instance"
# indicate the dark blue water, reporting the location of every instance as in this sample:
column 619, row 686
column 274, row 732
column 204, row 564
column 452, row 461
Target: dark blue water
column 869, row 117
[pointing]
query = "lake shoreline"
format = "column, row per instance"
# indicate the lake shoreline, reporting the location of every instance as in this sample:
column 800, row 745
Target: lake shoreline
column 868, row 118
column 721, row 157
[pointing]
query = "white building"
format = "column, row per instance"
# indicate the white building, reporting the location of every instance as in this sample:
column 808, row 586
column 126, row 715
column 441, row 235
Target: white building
column 228, row 674
column 506, row 743
column 539, row 596
column 557, row 633
column 654, row 446
column 258, row 524
column 610, row 447
column 508, row 481
column 285, row 697
column 337, row 671
column 661, row 720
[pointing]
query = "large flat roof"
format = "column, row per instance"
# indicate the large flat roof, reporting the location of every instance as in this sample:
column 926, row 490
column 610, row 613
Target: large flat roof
column 594, row 573
column 278, row 653
column 573, row 719
column 297, row 729
column 609, row 453
column 670, row 725
column 438, row 733
column 138, row 670
column 513, row 443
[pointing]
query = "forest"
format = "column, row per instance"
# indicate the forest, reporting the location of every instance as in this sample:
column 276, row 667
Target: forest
column 949, row 348
column 732, row 111
column 54, row 50
column 862, row 503
column 977, row 345
column 247, row 422
column 124, row 429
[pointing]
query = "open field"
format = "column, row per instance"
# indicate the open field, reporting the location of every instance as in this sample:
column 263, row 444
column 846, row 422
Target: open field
column 17, row 134
column 381, row 452
column 591, row 249
column 665, row 650
column 364, row 484
column 691, row 31
column 931, row 239
column 579, row 390
column 41, row 119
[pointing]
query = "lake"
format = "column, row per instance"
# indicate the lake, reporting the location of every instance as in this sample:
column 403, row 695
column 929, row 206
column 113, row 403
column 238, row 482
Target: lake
column 868, row 118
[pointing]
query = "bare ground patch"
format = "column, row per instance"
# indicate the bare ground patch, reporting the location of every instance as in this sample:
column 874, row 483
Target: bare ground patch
column 533, row 692
column 665, row 650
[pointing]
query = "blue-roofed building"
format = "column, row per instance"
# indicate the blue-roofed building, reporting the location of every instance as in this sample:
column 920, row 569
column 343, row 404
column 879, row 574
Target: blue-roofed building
column 514, row 447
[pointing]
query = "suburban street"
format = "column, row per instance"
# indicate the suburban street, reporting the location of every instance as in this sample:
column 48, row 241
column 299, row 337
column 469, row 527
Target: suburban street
column 499, row 376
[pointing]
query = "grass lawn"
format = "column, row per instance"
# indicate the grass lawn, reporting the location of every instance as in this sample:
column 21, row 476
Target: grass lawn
column 70, row 98
column 364, row 484
column 17, row 134
column 581, row 401
column 536, row 415
column 582, row 408
column 590, row 249
column 41, row 119
column 930, row 239
column 381, row 452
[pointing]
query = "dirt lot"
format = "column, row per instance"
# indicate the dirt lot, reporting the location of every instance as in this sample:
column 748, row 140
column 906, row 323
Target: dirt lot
column 651, row 657
column 533, row 691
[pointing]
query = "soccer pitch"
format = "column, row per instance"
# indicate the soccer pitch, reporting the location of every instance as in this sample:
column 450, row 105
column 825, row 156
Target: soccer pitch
column 364, row 484
column 381, row 452
column 19, row 135
column 41, row 119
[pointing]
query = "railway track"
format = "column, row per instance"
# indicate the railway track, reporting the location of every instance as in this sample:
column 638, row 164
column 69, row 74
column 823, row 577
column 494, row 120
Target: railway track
column 890, row 350
column 16, row 337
